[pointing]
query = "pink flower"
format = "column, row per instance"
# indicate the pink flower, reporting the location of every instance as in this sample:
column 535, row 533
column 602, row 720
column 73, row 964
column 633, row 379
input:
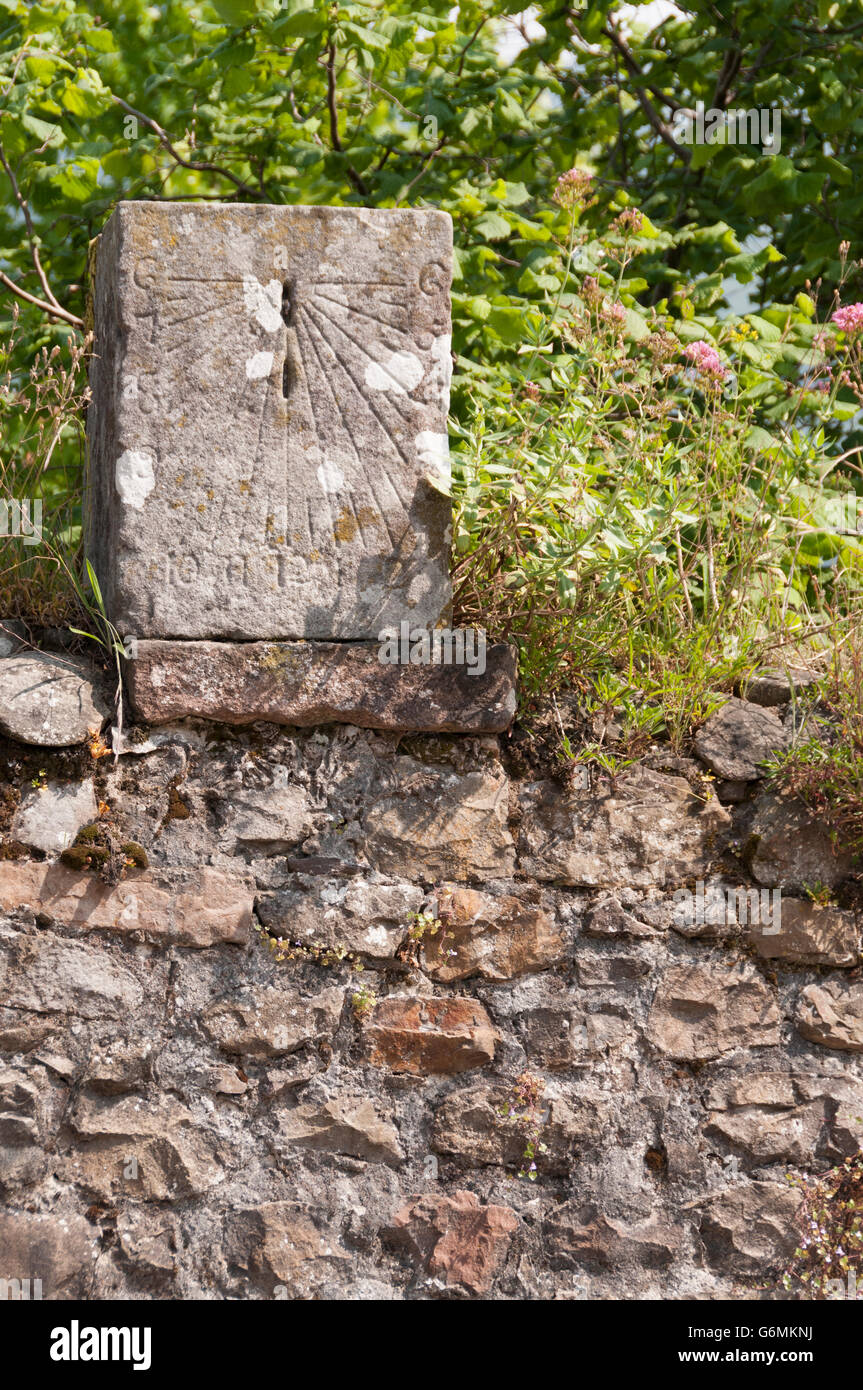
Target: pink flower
column 629, row 222
column 705, row 359
column 573, row 189
column 590, row 289
column 849, row 318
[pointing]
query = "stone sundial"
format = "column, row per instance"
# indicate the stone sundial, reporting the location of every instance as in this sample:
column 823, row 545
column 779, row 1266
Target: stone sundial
column 268, row 436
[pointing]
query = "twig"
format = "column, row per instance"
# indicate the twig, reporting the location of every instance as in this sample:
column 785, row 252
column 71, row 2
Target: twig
column 198, row 166
column 647, row 107
column 358, row 183
column 51, row 309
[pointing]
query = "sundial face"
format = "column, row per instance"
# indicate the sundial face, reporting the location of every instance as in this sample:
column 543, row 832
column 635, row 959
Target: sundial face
column 269, row 415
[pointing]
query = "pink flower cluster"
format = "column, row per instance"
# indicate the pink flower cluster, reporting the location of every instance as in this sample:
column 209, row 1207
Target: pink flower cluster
column 849, row 318
column 574, row 188
column 705, row 359
column 629, row 222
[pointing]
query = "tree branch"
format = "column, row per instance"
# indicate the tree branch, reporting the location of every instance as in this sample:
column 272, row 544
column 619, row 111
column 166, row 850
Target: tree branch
column 31, row 235
column 471, row 41
column 53, row 309
column 50, row 304
column 335, row 140
column 197, row 166
column 426, row 165
column 653, row 116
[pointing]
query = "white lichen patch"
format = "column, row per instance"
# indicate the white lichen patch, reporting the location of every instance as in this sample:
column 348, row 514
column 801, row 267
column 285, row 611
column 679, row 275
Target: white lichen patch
column 264, row 302
column 259, row 366
column 378, row 939
column 433, row 452
column 401, row 372
column 440, row 375
column 330, row 476
column 134, row 477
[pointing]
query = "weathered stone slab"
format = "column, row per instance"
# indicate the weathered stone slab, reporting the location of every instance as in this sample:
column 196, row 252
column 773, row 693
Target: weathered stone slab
column 191, row 907
column 270, row 1023
column 430, row 1036
column 738, row 738
column 49, row 700
column 455, row 1239
column 51, row 975
column 270, row 394
column 774, row 686
column 701, row 1011
column 307, row 683
column 831, row 1013
column 809, row 935
column 645, row 829
column 50, row 816
column 750, row 1230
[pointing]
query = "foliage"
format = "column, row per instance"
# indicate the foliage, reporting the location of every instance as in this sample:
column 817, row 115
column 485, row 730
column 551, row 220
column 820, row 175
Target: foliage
column 523, row 1108
column 42, row 458
column 824, row 767
column 363, row 1001
column 284, row 948
column 633, row 79
column 648, row 502
column 828, row 1262
column 621, row 503
column 426, row 931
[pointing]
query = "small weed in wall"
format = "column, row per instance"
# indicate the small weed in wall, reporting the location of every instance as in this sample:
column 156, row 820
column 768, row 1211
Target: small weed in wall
column 818, row 893
column 428, row 926
column 828, row 1262
column 363, row 1001
column 522, row 1108
column 284, row 948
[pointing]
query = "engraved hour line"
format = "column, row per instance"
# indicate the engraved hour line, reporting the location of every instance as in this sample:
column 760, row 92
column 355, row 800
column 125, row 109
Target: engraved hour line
column 331, row 527
column 403, row 505
column 393, row 400
column 196, row 314
column 390, row 284
column 378, row 299
column 367, row 403
column 366, row 475
column 383, row 424
column 370, row 407
column 352, row 309
column 395, row 324
column 345, row 418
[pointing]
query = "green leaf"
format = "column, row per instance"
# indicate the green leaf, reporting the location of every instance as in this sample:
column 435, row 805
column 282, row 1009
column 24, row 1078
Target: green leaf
column 85, row 96
column 237, row 12
column 492, row 226
column 636, row 326
column 94, row 585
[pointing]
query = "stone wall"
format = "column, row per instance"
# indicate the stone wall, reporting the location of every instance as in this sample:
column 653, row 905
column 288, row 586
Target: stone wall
column 182, row 1115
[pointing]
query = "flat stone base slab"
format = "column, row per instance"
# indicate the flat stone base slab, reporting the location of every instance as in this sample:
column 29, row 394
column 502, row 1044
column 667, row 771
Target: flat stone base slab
column 307, row 683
